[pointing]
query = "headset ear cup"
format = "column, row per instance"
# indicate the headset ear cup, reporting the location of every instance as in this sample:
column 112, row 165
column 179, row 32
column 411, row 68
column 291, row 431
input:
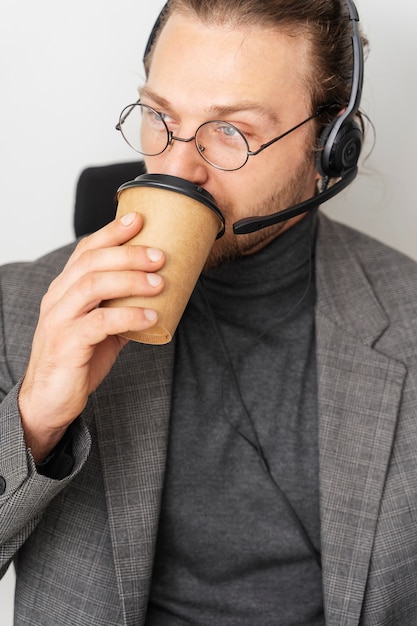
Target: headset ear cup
column 335, row 159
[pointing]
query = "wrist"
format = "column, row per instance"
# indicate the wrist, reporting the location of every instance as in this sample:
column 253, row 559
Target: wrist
column 41, row 444
column 40, row 438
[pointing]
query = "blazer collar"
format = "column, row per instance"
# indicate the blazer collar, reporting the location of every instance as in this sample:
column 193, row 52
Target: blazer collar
column 359, row 392
column 345, row 294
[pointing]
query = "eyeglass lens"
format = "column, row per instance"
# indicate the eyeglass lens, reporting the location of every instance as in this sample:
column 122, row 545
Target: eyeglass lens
column 221, row 144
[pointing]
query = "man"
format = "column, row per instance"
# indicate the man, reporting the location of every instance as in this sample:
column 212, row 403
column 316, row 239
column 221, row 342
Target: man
column 261, row 469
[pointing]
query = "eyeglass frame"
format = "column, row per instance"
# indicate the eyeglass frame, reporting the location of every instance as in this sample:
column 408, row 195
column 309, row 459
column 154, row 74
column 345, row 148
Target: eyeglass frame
column 171, row 137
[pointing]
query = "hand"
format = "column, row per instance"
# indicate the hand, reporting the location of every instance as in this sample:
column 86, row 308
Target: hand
column 76, row 342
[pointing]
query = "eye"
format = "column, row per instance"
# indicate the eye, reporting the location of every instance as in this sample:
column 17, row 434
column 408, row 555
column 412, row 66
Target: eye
column 152, row 118
column 167, row 118
column 227, row 132
column 169, row 121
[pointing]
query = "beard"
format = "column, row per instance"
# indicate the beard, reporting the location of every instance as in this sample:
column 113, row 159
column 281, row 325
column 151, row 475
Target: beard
column 231, row 246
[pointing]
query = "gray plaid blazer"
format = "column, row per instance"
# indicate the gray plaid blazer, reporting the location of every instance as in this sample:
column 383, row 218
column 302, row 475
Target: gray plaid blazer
column 83, row 546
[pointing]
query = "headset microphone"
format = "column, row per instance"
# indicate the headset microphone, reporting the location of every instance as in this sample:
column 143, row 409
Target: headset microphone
column 251, row 224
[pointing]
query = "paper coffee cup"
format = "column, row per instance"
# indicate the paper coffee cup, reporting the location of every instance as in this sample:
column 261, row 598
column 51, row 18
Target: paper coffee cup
column 182, row 220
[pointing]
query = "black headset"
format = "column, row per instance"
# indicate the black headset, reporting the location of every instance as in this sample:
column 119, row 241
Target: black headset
column 339, row 144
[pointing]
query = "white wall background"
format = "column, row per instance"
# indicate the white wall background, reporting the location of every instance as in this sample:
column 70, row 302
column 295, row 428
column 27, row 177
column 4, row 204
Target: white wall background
column 67, row 70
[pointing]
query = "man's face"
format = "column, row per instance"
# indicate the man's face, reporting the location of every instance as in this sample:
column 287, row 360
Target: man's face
column 256, row 79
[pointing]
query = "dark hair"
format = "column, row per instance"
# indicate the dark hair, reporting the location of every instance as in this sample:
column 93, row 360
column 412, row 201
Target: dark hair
column 325, row 22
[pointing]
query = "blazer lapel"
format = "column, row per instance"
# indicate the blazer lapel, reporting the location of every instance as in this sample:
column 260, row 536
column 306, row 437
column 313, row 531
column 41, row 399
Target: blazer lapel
column 133, row 406
column 359, row 391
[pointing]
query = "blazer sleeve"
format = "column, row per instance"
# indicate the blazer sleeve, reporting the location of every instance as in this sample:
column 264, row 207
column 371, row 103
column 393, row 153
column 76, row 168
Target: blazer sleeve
column 24, row 493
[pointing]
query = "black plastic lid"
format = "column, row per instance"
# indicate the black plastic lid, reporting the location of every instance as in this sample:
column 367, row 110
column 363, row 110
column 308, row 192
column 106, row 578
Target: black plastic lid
column 179, row 185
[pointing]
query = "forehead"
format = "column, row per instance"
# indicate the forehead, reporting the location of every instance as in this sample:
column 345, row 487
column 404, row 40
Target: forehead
column 194, row 62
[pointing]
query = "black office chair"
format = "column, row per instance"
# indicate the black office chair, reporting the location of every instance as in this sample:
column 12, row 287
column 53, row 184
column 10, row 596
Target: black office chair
column 95, row 204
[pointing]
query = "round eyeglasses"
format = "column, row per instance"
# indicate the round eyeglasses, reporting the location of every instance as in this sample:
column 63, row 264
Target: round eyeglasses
column 220, row 143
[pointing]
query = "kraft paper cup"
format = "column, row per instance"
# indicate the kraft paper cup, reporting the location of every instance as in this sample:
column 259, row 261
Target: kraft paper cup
column 182, row 220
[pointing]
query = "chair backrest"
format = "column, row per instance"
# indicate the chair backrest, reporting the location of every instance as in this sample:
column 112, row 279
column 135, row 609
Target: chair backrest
column 95, row 196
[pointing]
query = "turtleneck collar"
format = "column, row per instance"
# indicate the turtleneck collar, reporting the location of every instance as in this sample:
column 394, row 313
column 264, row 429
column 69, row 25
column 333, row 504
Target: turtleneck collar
column 280, row 266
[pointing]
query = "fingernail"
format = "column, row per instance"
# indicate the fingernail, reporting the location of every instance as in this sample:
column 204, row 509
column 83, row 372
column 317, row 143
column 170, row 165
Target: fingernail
column 153, row 279
column 150, row 314
column 128, row 219
column 154, row 254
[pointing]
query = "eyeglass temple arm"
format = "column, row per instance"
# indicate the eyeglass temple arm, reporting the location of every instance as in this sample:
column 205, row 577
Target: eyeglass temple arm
column 126, row 115
column 319, row 111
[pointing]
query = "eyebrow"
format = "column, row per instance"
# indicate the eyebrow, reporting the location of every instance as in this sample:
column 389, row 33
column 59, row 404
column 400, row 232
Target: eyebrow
column 220, row 110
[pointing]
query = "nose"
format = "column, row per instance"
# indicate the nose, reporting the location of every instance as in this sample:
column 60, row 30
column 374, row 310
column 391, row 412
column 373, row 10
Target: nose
column 180, row 158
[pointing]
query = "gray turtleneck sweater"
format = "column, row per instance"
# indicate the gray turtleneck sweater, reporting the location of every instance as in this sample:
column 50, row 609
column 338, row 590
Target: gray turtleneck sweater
column 239, row 534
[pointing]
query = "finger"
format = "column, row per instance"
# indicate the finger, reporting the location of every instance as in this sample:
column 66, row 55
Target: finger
column 104, row 322
column 102, row 260
column 90, row 257
column 71, row 346
column 115, row 233
column 91, row 289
